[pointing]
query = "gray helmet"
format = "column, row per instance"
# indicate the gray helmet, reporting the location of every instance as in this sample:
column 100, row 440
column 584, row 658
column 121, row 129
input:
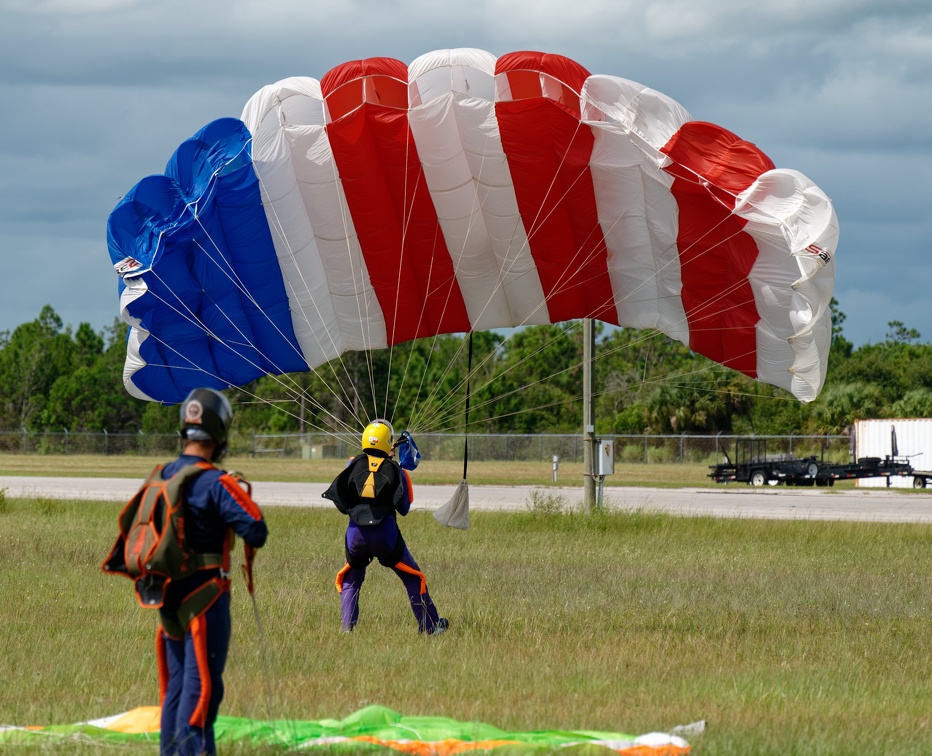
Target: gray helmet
column 206, row 415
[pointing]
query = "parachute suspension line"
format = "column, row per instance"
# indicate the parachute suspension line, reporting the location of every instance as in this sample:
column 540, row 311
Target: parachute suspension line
column 665, row 380
column 357, row 275
column 407, row 218
column 430, row 353
column 194, row 320
column 503, row 271
column 476, row 204
column 424, row 416
column 437, row 232
column 407, row 202
column 535, row 225
column 231, row 273
column 346, row 401
column 449, row 405
column 238, row 283
column 466, row 423
column 201, row 369
column 442, row 418
column 698, row 308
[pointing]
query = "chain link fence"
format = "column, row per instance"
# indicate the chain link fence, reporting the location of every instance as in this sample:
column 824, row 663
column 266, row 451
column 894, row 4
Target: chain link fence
column 541, row 447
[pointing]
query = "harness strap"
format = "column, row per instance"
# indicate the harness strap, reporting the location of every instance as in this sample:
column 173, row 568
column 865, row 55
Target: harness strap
column 161, row 657
column 208, row 561
column 338, row 583
column 199, row 639
column 411, row 571
column 200, row 600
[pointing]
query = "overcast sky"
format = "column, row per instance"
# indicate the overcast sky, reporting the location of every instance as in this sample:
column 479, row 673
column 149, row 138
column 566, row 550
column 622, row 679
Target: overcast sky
column 98, row 93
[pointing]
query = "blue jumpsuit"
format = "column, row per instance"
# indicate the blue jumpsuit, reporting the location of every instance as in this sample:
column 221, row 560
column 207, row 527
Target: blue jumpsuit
column 191, row 663
column 380, row 540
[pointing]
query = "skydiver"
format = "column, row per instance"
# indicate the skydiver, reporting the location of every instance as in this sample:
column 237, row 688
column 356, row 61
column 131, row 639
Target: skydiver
column 194, row 636
column 371, row 490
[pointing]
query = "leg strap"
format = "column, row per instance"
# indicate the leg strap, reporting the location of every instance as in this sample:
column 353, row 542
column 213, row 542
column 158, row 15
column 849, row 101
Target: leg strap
column 411, row 571
column 194, row 605
column 198, row 629
column 340, row 575
column 161, row 658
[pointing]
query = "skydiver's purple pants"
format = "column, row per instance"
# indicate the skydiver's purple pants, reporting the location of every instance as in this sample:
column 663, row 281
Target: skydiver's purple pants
column 367, row 542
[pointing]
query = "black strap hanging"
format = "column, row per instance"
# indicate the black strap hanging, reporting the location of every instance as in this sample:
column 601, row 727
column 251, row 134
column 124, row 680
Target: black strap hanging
column 466, row 425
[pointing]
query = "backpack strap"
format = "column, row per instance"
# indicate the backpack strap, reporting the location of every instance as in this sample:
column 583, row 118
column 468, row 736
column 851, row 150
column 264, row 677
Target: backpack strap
column 115, row 563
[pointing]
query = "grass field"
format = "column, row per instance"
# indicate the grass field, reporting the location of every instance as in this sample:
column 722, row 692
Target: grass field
column 787, row 637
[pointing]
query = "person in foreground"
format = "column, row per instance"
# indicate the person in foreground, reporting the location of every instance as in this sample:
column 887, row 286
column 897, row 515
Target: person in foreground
column 194, row 599
column 371, row 490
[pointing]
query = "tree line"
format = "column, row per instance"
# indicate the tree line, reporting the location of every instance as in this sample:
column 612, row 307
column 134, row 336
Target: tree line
column 53, row 377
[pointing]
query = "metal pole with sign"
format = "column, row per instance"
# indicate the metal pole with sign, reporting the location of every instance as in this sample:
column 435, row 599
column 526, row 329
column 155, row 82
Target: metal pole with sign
column 605, row 465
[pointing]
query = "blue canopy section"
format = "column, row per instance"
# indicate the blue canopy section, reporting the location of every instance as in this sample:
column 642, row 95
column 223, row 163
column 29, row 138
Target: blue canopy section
column 198, row 267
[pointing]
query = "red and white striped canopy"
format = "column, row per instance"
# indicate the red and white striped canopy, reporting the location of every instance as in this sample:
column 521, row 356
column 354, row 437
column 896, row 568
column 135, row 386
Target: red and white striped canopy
column 467, row 192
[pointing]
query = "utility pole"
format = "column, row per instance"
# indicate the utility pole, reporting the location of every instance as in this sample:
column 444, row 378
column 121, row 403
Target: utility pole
column 589, row 446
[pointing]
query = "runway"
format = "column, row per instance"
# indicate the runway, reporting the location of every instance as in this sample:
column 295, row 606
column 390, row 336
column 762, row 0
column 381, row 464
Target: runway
column 779, row 503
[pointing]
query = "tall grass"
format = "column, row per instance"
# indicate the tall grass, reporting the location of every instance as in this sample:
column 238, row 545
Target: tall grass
column 786, row 636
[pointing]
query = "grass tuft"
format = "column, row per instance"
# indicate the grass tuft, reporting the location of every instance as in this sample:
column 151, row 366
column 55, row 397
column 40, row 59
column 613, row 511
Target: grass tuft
column 545, row 503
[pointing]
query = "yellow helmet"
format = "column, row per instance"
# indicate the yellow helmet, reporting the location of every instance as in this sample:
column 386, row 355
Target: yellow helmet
column 378, row 435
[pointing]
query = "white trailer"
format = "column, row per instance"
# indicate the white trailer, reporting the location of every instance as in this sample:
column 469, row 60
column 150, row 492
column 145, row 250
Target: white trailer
column 874, row 438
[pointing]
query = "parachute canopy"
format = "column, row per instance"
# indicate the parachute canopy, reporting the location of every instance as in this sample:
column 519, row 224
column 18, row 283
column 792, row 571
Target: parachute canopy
column 388, row 202
column 374, row 728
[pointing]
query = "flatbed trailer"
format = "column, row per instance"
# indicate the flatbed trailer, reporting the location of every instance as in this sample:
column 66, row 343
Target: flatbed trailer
column 921, row 478
column 755, row 467
column 870, row 467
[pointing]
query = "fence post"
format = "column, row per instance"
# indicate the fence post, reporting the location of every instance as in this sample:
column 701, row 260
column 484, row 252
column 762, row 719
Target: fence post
column 682, row 439
column 66, row 441
column 106, row 442
column 646, row 455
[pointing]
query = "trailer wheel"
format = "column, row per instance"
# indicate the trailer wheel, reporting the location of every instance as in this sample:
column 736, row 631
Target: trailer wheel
column 812, row 470
column 919, row 482
column 758, row 478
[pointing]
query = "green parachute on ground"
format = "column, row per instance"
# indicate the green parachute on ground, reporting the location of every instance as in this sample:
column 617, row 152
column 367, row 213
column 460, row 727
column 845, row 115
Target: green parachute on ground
column 374, row 727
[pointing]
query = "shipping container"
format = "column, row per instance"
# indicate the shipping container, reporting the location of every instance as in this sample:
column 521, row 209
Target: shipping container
column 913, row 442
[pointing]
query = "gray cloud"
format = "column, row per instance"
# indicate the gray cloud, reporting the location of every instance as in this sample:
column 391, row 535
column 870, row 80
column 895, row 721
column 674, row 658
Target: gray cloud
column 98, row 93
